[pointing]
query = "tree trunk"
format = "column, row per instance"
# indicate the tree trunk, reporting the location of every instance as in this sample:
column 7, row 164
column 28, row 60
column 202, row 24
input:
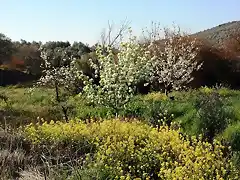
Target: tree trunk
column 64, row 110
column 166, row 92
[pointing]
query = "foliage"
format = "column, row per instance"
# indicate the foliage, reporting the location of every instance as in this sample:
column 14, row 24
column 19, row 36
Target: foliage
column 84, row 64
column 213, row 115
column 135, row 150
column 4, row 98
column 119, row 74
column 232, row 134
column 232, row 44
column 40, row 103
column 61, row 53
column 155, row 112
column 61, row 65
column 97, row 172
column 29, row 53
column 156, row 96
column 6, row 48
column 78, row 49
column 91, row 112
column 206, row 90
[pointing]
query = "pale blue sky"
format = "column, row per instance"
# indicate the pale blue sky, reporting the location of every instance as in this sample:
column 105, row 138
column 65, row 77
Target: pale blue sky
column 83, row 20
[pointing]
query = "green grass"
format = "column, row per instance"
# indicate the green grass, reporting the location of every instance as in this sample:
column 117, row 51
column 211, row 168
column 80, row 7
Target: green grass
column 23, row 106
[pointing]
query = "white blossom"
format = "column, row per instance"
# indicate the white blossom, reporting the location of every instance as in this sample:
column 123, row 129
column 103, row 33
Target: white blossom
column 174, row 64
column 62, row 76
column 119, row 74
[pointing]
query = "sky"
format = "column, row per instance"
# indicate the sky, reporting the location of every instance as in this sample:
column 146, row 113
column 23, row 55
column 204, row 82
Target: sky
column 84, row 20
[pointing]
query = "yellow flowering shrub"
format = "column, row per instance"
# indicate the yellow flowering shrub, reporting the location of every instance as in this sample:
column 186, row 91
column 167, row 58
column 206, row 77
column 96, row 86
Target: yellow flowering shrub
column 156, row 96
column 206, row 90
column 133, row 149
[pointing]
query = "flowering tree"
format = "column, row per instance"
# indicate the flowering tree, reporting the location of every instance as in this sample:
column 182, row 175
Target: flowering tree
column 119, row 74
column 175, row 59
column 59, row 76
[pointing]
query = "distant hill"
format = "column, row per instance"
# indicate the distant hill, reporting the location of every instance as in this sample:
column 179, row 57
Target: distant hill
column 216, row 35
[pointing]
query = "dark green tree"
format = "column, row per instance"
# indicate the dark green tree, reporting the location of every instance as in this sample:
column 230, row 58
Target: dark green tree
column 6, row 48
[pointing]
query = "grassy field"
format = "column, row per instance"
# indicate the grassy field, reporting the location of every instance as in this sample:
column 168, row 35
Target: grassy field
column 95, row 145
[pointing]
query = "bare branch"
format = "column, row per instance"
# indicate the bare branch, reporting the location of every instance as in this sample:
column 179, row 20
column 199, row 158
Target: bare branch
column 107, row 38
column 110, row 28
column 152, row 34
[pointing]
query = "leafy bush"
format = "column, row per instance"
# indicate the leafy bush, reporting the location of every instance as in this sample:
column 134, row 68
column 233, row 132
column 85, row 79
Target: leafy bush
column 156, row 113
column 156, row 96
column 235, row 140
column 150, row 109
column 135, row 150
column 223, row 91
column 232, row 136
column 213, row 115
column 206, row 90
column 91, row 112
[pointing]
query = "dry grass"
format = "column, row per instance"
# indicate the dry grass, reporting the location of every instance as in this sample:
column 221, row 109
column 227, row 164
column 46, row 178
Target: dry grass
column 13, row 157
column 31, row 175
column 11, row 162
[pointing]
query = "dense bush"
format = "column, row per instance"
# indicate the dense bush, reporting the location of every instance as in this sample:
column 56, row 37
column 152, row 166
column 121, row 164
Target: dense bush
column 154, row 111
column 213, row 115
column 135, row 150
column 232, row 136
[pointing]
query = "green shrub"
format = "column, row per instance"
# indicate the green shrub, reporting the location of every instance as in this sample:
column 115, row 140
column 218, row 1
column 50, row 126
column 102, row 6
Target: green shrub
column 134, row 109
column 91, row 112
column 232, row 136
column 236, row 159
column 135, row 150
column 156, row 96
column 213, row 115
column 151, row 109
column 156, row 113
column 206, row 90
column 235, row 140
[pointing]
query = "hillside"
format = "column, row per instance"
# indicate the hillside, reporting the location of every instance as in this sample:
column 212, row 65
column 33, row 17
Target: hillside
column 216, row 35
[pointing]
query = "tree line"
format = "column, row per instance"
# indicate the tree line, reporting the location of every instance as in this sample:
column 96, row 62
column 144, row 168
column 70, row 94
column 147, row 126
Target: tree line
column 219, row 64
